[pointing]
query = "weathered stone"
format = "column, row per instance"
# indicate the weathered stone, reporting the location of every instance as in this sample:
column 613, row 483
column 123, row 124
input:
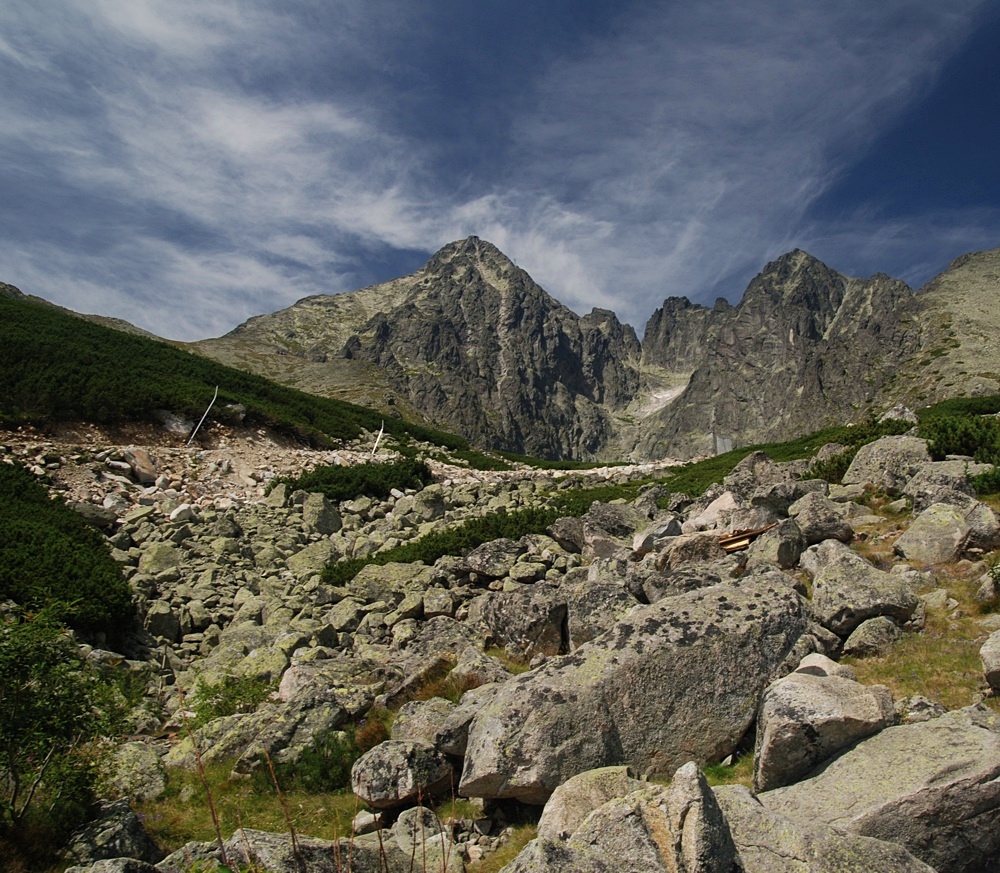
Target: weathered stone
column 689, row 550
column 142, row 465
column 422, row 720
column 872, row 638
column 710, row 515
column 158, row 558
column 532, row 619
column 594, row 604
column 847, row 590
column 311, row 560
column 989, row 654
column 396, row 773
column 936, row 536
column 136, row 772
column 940, row 482
column 780, row 547
column 702, row 658
column 579, row 796
column 771, row 843
column 819, row 518
column 887, row 463
column 805, row 719
column 320, row 515
column 162, row 622
column 651, row 830
column 116, row 832
column 932, row 787
column 494, row 559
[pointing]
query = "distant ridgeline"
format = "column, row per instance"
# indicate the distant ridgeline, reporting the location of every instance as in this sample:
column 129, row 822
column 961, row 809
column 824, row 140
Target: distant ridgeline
column 474, row 345
column 56, row 366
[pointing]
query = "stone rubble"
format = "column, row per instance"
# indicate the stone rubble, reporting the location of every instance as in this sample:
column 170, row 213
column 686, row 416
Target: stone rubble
column 650, row 647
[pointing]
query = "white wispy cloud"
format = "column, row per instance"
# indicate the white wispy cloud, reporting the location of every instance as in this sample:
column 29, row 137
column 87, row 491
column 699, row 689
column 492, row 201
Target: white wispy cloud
column 188, row 165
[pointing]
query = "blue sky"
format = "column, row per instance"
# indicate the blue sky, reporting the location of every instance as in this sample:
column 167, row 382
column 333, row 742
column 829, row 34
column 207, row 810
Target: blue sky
column 186, row 164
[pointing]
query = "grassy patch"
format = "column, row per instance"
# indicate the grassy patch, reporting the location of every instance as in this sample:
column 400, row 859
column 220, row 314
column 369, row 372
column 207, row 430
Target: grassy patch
column 740, row 772
column 496, row 861
column 182, row 814
column 941, row 662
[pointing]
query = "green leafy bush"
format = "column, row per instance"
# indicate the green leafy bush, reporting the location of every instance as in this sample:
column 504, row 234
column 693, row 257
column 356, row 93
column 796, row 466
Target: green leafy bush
column 231, row 695
column 53, row 707
column 49, row 557
column 371, row 480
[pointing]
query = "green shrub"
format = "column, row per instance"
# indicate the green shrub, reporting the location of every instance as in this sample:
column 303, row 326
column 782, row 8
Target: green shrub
column 50, row 558
column 53, row 708
column 231, row 695
column 57, row 367
column 370, row 480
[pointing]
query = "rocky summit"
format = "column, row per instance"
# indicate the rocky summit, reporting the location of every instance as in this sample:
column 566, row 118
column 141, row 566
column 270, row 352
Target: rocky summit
column 470, row 343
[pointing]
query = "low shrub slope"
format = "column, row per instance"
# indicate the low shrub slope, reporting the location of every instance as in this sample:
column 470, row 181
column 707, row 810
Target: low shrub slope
column 55, row 366
column 51, row 559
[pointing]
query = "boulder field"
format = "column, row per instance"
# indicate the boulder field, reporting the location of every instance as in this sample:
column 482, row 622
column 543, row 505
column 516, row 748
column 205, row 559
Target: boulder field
column 653, row 649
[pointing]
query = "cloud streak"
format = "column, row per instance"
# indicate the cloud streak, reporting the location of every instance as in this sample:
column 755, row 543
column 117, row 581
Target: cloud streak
column 188, row 167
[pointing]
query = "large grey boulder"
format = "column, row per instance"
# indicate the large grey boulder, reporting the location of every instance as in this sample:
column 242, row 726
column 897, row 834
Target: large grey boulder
column 781, row 547
column 942, row 482
column 531, row 618
column 820, row 518
column 400, row 772
column 872, row 638
column 932, row 787
column 652, row 830
column 281, row 853
column 937, row 536
column 847, row 590
column 579, row 796
column 594, row 603
column 887, row 463
column 116, row 832
column 989, row 654
column 805, row 719
column 320, row 515
column 771, row 843
column 674, row 680
column 494, row 559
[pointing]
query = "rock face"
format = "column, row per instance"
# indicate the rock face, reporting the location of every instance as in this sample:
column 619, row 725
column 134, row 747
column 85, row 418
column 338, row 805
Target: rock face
column 804, row 344
column 931, row 787
column 672, row 681
column 472, row 344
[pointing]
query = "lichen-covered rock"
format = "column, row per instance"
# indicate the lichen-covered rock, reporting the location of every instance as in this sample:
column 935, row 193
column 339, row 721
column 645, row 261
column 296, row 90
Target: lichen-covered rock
column 494, row 559
column 399, row 772
column 771, row 843
column 532, row 619
column 650, row 830
column 671, row 681
column 781, row 547
column 932, row 787
column 936, row 536
column 805, row 719
column 819, row 518
column 421, row 720
column 989, row 654
column 872, row 638
column 116, row 832
column 579, row 796
column 135, row 771
column 847, row 590
column 887, row 463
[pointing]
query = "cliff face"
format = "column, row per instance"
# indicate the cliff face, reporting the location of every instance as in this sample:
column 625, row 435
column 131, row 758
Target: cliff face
column 805, row 347
column 472, row 344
